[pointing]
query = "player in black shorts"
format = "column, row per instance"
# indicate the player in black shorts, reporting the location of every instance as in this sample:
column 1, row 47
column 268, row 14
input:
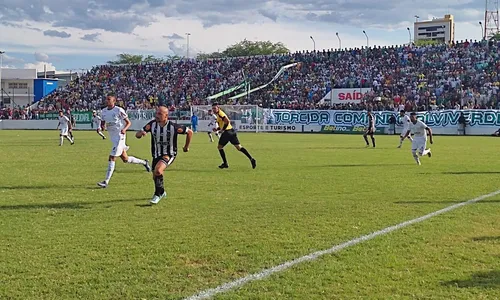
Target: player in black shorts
column 163, row 146
column 73, row 124
column 228, row 136
column 370, row 130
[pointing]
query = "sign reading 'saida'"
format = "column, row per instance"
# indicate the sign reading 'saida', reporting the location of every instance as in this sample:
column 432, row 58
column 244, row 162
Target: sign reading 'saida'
column 351, row 118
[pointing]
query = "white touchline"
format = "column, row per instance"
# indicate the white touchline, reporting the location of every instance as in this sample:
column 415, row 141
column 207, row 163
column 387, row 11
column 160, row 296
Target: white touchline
column 315, row 255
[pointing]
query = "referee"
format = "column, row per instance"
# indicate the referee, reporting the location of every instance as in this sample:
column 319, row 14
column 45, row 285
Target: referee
column 163, row 146
column 228, row 136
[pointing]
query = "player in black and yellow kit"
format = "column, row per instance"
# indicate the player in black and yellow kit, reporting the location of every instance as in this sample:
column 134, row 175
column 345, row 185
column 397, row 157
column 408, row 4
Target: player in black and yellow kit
column 228, row 135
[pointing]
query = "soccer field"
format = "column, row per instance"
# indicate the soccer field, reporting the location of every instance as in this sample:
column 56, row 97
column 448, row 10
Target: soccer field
column 61, row 237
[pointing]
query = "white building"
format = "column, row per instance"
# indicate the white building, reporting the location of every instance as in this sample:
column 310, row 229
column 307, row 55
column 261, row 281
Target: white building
column 17, row 88
column 438, row 29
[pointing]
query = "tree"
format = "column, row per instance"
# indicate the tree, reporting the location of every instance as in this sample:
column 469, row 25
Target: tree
column 126, row 58
column 248, row 48
column 172, row 57
column 210, row 55
column 422, row 43
column 495, row 37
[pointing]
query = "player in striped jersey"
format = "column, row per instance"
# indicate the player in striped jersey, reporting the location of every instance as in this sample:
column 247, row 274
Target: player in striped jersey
column 163, row 147
column 73, row 124
column 370, row 130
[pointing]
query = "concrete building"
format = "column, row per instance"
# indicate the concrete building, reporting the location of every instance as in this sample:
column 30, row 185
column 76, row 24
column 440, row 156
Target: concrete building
column 438, row 29
column 17, row 88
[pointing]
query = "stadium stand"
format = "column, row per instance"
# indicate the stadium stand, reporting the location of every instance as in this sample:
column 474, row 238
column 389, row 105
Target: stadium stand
column 463, row 74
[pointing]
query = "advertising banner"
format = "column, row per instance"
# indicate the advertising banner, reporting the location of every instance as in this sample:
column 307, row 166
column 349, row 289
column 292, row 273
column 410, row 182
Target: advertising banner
column 443, row 118
column 149, row 114
column 346, row 95
column 347, row 129
column 81, row 117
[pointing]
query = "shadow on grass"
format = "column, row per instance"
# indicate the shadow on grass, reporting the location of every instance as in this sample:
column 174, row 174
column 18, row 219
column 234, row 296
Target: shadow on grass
column 486, row 238
column 471, row 173
column 444, row 202
column 341, row 147
column 485, row 280
column 42, row 187
column 130, row 171
column 357, row 165
column 65, row 205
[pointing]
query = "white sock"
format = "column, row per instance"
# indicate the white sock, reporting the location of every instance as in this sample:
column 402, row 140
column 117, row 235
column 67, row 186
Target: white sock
column 411, row 139
column 401, row 141
column 111, row 169
column 135, row 160
column 69, row 139
column 426, row 151
column 61, row 140
column 100, row 133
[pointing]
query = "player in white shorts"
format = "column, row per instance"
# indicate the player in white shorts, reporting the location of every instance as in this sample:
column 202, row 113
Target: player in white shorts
column 65, row 124
column 406, row 126
column 419, row 143
column 96, row 120
column 116, row 121
column 212, row 125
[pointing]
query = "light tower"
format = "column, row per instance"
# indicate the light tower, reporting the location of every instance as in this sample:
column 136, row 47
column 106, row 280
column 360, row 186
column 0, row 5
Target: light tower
column 491, row 20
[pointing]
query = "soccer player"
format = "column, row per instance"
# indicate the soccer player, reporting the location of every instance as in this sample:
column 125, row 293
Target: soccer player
column 228, row 136
column 370, row 130
column 419, row 143
column 96, row 120
column 163, row 147
column 116, row 121
column 73, row 124
column 406, row 126
column 65, row 124
column 212, row 125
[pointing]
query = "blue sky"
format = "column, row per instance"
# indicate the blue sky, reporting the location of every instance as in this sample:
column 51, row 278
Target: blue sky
column 78, row 34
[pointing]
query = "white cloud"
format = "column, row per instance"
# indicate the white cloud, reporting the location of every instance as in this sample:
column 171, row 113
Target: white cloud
column 41, row 56
column 39, row 66
column 7, row 59
column 292, row 33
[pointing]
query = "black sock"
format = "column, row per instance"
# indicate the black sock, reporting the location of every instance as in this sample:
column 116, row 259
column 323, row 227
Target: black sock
column 159, row 189
column 366, row 140
column 223, row 156
column 373, row 141
column 244, row 151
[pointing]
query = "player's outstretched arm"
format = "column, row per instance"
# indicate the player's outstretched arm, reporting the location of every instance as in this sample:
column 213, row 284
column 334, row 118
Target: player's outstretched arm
column 189, row 136
column 127, row 125
column 429, row 131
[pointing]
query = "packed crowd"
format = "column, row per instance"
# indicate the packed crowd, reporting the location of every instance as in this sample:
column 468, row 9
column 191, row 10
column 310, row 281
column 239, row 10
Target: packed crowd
column 464, row 74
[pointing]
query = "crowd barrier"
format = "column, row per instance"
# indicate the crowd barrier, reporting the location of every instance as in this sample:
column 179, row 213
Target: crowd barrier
column 446, row 122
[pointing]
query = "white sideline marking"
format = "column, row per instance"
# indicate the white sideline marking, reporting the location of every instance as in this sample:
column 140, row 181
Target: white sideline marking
column 315, row 255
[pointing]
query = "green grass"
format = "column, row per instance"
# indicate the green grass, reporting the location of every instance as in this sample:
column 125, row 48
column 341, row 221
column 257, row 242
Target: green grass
column 62, row 238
